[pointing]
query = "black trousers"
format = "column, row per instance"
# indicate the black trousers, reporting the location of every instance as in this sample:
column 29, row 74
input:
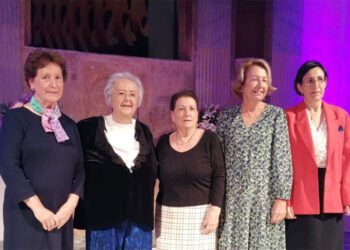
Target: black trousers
column 322, row 231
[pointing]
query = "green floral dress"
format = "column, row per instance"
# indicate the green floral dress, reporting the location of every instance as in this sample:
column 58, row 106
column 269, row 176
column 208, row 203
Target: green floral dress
column 258, row 171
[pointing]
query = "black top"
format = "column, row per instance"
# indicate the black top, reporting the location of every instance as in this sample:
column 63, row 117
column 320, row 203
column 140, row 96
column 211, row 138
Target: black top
column 112, row 193
column 194, row 177
column 32, row 162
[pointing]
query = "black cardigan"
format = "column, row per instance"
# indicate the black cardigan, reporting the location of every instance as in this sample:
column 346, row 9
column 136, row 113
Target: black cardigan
column 112, row 193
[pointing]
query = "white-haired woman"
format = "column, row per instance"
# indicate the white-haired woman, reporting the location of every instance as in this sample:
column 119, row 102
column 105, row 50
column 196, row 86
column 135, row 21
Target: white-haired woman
column 120, row 164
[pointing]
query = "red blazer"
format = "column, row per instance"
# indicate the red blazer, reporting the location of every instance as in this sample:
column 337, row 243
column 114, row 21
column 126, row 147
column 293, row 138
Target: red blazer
column 305, row 196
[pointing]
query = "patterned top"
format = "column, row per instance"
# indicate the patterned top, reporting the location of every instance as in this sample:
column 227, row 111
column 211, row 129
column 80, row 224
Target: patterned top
column 258, row 171
column 319, row 138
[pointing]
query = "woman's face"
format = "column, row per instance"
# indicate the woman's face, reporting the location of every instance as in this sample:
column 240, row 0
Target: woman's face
column 313, row 85
column 48, row 85
column 124, row 98
column 256, row 84
column 185, row 113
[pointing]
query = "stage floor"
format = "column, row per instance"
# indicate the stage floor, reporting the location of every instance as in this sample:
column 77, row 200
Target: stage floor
column 79, row 242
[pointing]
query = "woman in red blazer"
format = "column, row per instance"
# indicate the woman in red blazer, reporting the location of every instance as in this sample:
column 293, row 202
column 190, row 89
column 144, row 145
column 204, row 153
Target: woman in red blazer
column 320, row 143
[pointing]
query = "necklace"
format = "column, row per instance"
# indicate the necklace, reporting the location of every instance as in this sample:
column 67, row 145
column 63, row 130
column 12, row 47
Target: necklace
column 180, row 141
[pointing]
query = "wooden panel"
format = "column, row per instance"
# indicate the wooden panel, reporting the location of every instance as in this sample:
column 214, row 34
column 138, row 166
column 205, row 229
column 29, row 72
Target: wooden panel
column 114, row 27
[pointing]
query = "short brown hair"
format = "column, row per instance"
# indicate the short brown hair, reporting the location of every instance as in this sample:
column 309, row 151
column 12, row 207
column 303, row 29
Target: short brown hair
column 182, row 93
column 238, row 84
column 39, row 59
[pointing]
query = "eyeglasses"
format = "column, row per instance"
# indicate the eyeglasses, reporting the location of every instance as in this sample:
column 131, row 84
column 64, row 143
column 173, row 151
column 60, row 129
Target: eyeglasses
column 321, row 80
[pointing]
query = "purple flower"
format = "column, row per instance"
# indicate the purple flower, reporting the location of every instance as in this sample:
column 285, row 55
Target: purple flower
column 26, row 97
column 5, row 106
column 209, row 116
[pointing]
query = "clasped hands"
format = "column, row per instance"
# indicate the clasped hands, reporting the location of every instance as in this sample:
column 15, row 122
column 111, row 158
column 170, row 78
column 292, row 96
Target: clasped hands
column 47, row 218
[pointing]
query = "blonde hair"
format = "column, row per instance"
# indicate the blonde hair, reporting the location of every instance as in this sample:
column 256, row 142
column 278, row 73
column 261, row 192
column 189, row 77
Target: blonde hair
column 238, row 84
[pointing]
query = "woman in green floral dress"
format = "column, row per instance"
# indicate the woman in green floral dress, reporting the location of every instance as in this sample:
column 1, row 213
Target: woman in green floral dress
column 254, row 136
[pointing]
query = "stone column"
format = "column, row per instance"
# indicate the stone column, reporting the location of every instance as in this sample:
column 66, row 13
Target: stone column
column 212, row 51
column 284, row 49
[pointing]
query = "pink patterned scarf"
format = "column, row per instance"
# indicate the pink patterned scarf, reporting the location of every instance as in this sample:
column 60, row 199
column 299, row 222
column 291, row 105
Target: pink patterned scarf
column 49, row 120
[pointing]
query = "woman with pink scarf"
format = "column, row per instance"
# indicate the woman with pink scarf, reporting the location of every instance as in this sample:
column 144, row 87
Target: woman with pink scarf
column 40, row 162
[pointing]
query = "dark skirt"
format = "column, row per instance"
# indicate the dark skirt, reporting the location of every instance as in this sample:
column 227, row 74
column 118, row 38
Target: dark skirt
column 322, row 231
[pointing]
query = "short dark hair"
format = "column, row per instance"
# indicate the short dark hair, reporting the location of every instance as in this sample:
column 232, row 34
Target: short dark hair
column 182, row 93
column 302, row 71
column 39, row 59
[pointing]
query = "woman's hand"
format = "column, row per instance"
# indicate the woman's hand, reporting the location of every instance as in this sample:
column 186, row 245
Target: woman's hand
column 42, row 214
column 278, row 211
column 290, row 213
column 211, row 219
column 347, row 210
column 66, row 210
